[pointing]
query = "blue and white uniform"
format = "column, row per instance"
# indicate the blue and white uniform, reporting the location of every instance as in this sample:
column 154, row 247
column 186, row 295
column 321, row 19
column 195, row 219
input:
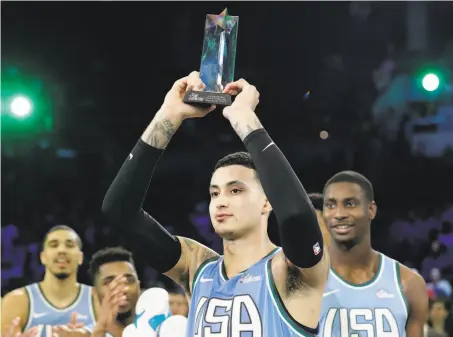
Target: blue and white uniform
column 247, row 305
column 377, row 308
column 42, row 312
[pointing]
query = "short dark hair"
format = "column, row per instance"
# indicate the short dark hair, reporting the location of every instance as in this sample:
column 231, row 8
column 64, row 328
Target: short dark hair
column 107, row 255
column 62, row 228
column 355, row 178
column 175, row 290
column 442, row 301
column 316, row 200
column 237, row 158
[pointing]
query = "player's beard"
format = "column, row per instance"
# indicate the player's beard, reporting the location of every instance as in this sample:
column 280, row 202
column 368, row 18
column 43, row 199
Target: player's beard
column 61, row 276
column 123, row 317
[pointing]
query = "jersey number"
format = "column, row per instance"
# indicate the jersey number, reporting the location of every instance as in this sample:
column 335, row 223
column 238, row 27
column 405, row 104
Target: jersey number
column 224, row 319
column 361, row 322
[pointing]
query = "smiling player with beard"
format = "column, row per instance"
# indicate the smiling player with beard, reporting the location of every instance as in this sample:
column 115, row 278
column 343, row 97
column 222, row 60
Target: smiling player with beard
column 53, row 300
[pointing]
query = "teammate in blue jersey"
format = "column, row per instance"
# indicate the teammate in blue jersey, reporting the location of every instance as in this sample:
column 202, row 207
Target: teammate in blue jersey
column 368, row 294
column 256, row 288
column 118, row 288
column 53, row 300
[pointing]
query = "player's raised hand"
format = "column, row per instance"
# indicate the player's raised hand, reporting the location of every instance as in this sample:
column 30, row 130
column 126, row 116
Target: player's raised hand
column 13, row 330
column 174, row 99
column 66, row 331
column 241, row 113
column 247, row 95
column 110, row 305
column 73, row 322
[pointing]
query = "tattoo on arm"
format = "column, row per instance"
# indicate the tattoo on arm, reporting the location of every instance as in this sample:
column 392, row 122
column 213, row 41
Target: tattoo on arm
column 244, row 130
column 190, row 244
column 199, row 254
column 161, row 132
column 209, row 254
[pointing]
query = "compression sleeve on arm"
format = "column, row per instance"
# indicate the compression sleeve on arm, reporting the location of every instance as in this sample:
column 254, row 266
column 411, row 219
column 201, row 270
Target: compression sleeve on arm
column 300, row 235
column 122, row 207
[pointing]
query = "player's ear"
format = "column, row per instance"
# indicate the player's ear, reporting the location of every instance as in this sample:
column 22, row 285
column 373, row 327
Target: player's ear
column 42, row 258
column 267, row 208
column 372, row 210
column 80, row 259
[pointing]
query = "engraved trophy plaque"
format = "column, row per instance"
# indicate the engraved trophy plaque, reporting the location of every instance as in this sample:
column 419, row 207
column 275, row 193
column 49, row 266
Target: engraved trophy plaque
column 217, row 60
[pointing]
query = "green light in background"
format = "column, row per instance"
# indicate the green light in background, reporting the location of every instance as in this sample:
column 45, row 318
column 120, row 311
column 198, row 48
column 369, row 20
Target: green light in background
column 21, row 106
column 26, row 108
column 430, row 82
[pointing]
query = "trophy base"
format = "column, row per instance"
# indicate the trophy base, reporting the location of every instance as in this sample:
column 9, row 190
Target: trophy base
column 206, row 98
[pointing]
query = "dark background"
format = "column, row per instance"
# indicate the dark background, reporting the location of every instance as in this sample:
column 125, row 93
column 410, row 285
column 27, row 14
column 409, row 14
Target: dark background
column 106, row 66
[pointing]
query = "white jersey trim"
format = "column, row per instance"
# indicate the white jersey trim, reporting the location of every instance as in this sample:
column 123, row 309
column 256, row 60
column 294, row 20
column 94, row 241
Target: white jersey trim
column 369, row 285
column 30, row 308
column 82, row 291
column 200, row 274
column 398, row 287
column 269, row 289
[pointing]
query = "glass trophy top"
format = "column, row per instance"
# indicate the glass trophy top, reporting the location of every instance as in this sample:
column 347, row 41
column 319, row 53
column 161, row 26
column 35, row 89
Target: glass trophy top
column 223, row 20
column 219, row 51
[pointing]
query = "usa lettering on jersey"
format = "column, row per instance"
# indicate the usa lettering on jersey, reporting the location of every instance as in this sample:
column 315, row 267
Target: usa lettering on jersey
column 365, row 322
column 215, row 317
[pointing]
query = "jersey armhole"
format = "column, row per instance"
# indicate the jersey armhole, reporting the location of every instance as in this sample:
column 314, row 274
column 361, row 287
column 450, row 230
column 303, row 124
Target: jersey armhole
column 400, row 286
column 296, row 327
column 30, row 308
column 91, row 303
column 200, row 270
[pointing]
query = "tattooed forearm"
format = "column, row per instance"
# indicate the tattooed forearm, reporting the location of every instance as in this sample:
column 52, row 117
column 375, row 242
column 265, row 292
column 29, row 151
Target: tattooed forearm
column 159, row 133
column 244, row 129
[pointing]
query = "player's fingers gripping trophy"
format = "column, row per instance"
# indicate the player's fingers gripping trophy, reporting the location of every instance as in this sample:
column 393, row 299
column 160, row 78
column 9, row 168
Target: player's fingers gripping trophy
column 174, row 99
column 247, row 97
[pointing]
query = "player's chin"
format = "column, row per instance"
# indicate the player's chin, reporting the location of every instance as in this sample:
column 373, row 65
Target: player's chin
column 343, row 238
column 226, row 233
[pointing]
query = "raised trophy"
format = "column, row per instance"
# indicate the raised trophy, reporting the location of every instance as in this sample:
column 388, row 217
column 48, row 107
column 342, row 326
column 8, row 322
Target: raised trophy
column 217, row 60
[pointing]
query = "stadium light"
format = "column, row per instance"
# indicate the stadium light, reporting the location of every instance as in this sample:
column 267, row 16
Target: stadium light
column 430, row 82
column 21, row 106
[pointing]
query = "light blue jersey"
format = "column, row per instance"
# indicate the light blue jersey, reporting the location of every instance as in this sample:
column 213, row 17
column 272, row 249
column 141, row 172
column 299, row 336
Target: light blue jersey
column 43, row 312
column 377, row 308
column 247, row 305
column 90, row 328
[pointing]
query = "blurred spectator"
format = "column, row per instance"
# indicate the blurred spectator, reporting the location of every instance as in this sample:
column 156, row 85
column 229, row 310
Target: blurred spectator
column 437, row 316
column 178, row 303
column 441, row 287
column 437, row 258
column 448, row 214
column 446, row 234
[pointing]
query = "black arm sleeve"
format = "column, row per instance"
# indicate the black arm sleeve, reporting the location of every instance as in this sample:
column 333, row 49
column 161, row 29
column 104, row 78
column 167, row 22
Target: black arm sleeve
column 300, row 235
column 122, row 207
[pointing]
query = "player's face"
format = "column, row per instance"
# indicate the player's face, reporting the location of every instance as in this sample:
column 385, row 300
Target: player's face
column 238, row 203
column 347, row 212
column 61, row 254
column 108, row 272
column 322, row 225
column 178, row 304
